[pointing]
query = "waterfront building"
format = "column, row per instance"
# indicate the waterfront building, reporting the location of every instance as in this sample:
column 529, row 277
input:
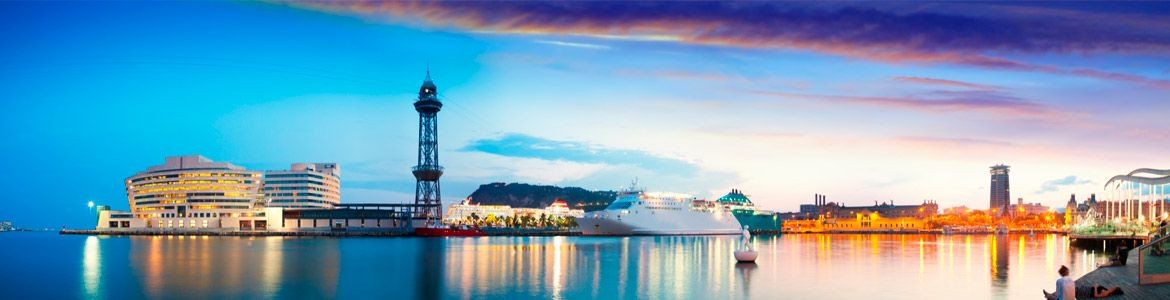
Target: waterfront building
column 957, row 211
column 1021, row 208
column 826, row 216
column 304, row 185
column 822, row 207
column 460, row 213
column 861, row 221
column 1141, row 194
column 192, row 191
column 1000, row 190
column 6, row 226
column 457, row 213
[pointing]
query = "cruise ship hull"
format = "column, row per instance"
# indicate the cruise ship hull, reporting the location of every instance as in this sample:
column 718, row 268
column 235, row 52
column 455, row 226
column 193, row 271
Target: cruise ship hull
column 646, row 222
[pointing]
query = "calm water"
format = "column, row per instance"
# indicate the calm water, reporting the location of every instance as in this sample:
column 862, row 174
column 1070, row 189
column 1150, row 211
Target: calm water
column 49, row 266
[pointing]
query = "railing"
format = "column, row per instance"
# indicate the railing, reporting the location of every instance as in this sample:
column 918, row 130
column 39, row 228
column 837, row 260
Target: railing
column 1154, row 259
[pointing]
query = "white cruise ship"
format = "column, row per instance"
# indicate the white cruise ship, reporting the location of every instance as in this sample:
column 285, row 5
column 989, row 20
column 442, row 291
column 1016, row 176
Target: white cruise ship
column 636, row 212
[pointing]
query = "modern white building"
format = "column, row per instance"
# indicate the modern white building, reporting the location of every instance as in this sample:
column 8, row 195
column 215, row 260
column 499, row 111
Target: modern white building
column 457, row 213
column 304, row 185
column 194, row 195
column 192, row 191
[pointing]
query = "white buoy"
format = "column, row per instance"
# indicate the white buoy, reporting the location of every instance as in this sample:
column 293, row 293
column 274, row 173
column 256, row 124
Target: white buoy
column 746, row 253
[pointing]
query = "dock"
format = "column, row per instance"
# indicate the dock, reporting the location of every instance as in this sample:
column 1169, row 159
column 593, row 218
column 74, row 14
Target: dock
column 1125, row 277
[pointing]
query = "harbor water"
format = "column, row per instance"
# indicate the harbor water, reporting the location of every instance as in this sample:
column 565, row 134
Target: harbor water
column 45, row 265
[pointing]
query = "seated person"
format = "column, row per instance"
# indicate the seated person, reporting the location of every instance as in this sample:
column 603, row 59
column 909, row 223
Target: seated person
column 1086, row 292
column 1118, row 260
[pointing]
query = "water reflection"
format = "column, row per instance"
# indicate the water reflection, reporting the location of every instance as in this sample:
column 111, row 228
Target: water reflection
column 999, row 263
column 795, row 266
column 203, row 267
column 91, row 263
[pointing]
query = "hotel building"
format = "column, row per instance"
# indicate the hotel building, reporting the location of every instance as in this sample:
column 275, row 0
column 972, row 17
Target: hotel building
column 192, row 191
column 304, row 185
column 457, row 213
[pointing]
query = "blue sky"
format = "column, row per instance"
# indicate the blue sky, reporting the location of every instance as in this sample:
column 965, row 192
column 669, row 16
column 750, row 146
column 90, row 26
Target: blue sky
column 779, row 101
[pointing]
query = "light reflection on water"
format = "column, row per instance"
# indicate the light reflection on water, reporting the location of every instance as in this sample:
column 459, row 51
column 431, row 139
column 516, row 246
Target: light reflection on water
column 694, row 267
column 92, row 264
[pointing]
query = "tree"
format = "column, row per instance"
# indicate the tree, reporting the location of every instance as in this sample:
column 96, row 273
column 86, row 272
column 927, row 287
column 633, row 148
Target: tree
column 490, row 220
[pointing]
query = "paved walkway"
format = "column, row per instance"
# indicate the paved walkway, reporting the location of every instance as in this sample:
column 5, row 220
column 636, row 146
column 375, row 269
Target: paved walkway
column 1126, row 277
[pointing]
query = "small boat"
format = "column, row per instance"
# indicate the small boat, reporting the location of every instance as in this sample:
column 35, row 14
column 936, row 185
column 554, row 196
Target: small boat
column 438, row 231
column 1001, row 229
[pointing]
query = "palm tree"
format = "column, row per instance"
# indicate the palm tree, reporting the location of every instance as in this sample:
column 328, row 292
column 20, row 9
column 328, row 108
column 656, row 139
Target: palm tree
column 490, row 220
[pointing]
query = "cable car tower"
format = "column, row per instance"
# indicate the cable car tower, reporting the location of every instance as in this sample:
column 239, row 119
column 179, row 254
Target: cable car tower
column 426, row 193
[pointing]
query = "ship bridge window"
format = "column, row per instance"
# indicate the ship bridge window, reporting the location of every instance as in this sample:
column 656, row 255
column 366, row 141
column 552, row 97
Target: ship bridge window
column 620, row 205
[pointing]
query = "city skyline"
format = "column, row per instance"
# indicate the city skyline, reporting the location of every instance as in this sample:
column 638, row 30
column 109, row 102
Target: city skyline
column 686, row 98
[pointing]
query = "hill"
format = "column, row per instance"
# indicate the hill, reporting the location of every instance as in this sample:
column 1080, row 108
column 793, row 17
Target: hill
column 540, row 196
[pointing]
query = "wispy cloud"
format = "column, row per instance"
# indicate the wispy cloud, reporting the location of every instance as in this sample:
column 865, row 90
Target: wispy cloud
column 1055, row 184
column 944, row 82
column 939, row 101
column 936, row 33
column 526, row 146
column 573, row 44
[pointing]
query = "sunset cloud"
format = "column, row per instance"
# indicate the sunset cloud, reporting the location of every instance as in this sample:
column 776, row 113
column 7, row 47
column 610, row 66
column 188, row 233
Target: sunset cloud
column 939, row 101
column 944, row 82
column 925, row 34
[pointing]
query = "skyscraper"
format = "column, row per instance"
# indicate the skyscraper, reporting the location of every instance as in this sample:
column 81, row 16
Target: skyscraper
column 1000, row 189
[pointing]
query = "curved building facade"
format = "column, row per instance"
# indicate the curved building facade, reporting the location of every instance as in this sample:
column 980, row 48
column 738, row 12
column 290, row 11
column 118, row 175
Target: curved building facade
column 1142, row 194
column 194, row 188
column 304, row 185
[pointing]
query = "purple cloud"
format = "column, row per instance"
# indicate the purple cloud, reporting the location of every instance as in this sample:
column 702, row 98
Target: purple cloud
column 932, row 33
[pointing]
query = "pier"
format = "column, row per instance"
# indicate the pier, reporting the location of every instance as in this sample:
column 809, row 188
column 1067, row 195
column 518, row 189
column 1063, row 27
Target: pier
column 1125, row 277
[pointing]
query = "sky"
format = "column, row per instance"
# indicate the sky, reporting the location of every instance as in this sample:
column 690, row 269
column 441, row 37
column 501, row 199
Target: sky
column 864, row 102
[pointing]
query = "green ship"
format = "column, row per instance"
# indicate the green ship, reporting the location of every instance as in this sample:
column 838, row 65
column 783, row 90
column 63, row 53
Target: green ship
column 757, row 220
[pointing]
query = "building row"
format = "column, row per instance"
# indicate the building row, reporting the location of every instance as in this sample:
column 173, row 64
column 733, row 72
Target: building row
column 196, row 192
column 463, row 211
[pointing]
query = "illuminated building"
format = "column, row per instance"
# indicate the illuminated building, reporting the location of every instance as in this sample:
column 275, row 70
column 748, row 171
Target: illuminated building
column 1000, row 189
column 190, row 192
column 457, row 213
column 304, row 185
column 1021, row 208
column 859, row 221
column 822, row 207
column 193, row 187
